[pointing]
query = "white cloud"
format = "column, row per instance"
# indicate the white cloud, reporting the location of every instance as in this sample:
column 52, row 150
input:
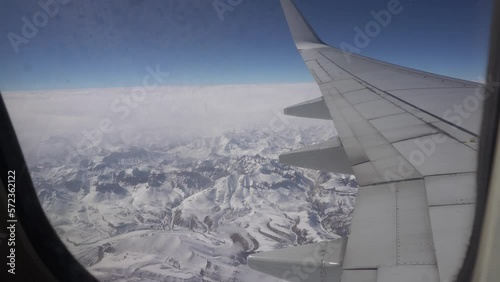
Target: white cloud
column 173, row 111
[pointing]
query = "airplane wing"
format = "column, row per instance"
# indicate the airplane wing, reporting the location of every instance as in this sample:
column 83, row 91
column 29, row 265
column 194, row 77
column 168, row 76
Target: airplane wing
column 411, row 140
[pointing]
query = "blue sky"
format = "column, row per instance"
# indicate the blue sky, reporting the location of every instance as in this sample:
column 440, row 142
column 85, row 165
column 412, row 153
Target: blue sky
column 93, row 44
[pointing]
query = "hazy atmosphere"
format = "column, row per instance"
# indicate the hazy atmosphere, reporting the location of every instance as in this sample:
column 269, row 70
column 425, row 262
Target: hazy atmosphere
column 152, row 129
column 174, row 113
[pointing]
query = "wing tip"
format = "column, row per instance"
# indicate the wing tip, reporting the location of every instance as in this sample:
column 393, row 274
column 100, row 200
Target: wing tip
column 303, row 34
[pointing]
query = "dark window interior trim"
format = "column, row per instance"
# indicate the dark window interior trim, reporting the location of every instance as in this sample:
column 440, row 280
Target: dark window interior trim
column 59, row 261
column 488, row 141
column 30, row 215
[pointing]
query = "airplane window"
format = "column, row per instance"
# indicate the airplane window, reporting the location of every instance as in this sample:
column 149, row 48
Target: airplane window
column 156, row 140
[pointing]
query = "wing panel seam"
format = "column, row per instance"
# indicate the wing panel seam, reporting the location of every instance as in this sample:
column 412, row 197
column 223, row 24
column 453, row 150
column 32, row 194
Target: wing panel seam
column 403, row 101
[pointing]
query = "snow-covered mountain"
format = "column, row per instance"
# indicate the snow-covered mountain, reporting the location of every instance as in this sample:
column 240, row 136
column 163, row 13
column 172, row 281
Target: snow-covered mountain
column 191, row 210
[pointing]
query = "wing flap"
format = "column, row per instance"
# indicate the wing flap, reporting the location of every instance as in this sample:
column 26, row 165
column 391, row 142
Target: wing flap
column 361, row 275
column 310, row 262
column 451, row 229
column 450, row 189
column 406, row 272
column 375, row 213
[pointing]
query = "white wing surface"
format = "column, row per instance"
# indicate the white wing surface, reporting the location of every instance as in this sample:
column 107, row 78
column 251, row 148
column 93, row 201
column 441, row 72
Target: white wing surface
column 411, row 139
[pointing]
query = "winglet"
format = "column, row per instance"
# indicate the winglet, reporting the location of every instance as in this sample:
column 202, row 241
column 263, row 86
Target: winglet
column 302, row 33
